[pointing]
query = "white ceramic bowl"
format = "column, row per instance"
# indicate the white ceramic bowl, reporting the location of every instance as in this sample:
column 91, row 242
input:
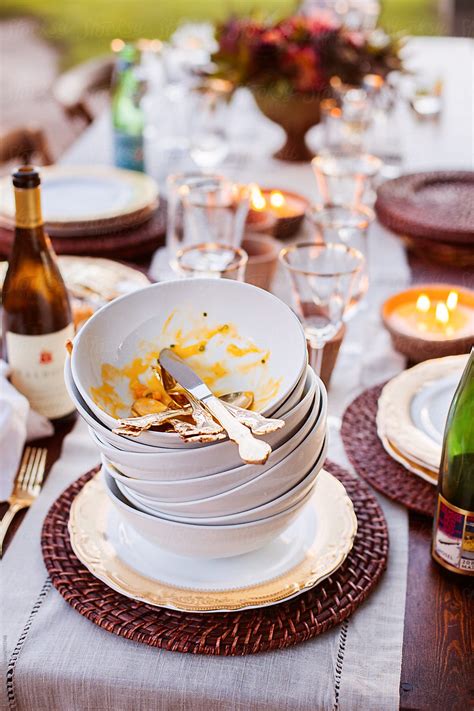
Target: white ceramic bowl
column 174, row 465
column 185, row 312
column 264, row 496
column 293, row 398
column 202, row 541
column 283, row 469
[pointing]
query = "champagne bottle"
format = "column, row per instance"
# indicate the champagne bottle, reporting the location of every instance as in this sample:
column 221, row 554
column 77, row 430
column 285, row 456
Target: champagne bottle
column 453, row 534
column 37, row 318
column 127, row 114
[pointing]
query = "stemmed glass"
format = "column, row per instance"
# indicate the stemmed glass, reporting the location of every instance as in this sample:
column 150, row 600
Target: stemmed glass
column 322, row 276
column 347, row 225
column 344, row 176
column 175, row 220
column 211, row 259
column 209, row 142
column 214, row 210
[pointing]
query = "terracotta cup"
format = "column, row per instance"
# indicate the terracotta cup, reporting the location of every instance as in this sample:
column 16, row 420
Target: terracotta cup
column 263, row 252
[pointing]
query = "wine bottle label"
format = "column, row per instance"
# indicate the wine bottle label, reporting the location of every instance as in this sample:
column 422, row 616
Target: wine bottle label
column 453, row 540
column 128, row 151
column 28, row 207
column 37, row 370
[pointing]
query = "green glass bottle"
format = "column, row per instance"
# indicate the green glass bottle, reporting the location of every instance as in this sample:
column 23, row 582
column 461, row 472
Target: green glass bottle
column 453, row 534
column 127, row 114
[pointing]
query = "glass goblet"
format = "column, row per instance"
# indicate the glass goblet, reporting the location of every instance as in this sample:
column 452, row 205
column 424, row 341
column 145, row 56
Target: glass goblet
column 344, row 176
column 214, row 210
column 211, row 259
column 347, row 225
column 175, row 233
column 322, row 277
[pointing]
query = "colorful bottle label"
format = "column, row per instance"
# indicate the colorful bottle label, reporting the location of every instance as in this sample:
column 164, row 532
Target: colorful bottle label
column 129, row 152
column 37, row 370
column 453, row 539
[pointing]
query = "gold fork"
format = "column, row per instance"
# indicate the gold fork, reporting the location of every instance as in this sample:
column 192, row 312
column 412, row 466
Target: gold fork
column 27, row 486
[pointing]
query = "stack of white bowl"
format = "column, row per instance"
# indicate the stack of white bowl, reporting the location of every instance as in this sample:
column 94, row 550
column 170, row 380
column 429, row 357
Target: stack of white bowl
column 195, row 499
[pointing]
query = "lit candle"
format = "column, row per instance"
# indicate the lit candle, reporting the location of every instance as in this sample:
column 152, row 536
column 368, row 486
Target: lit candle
column 434, row 314
column 430, row 322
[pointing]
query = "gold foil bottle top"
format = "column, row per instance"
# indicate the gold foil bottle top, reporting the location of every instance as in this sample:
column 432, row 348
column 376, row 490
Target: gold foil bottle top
column 26, row 182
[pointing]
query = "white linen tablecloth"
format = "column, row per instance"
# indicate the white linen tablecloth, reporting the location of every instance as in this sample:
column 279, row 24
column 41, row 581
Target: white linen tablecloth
column 55, row 659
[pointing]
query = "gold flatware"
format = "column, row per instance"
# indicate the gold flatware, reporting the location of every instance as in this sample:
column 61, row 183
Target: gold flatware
column 134, row 426
column 27, row 486
column 251, row 450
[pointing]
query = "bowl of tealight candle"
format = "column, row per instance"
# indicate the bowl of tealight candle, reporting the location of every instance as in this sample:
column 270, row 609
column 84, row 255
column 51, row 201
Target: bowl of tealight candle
column 284, row 208
column 430, row 321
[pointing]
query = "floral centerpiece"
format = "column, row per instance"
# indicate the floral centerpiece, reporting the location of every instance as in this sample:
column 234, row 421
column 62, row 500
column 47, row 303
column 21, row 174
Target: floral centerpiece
column 288, row 66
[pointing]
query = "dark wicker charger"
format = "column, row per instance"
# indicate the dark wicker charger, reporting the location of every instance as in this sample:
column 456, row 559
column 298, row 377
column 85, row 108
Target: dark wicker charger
column 229, row 633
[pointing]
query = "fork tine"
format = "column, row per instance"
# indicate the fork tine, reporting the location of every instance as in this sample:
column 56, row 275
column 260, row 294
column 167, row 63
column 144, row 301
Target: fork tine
column 23, row 466
column 38, row 479
column 33, row 468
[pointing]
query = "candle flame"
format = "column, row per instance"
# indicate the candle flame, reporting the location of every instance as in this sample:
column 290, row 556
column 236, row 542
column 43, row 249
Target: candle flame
column 277, row 199
column 452, row 300
column 423, row 303
column 442, row 313
column 257, row 200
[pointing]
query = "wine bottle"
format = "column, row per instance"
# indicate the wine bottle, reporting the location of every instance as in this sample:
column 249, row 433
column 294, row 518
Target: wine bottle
column 127, row 113
column 37, row 318
column 453, row 534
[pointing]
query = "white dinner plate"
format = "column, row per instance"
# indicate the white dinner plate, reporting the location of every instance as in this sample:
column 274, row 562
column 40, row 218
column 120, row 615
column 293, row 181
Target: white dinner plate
column 310, row 549
column 430, row 405
column 76, row 195
column 413, row 407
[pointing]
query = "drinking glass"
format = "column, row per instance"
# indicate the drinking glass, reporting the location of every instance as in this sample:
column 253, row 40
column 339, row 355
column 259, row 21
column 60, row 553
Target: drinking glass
column 346, row 225
column 426, row 94
column 209, row 142
column 175, row 233
column 322, row 276
column 211, row 259
column 214, row 210
column 344, row 177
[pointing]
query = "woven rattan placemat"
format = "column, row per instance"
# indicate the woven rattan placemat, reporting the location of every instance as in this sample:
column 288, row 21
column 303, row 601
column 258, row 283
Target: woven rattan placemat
column 133, row 243
column 230, row 633
column 371, row 461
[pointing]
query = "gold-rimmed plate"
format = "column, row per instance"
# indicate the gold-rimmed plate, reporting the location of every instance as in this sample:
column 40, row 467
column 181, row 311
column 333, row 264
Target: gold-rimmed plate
column 81, row 200
column 412, row 466
column 413, row 407
column 312, row 548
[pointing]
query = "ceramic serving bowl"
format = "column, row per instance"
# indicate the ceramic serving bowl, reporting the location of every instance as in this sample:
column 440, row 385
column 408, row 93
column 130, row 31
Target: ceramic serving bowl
column 224, row 329
column 174, row 465
column 199, row 540
column 284, row 468
column 265, row 495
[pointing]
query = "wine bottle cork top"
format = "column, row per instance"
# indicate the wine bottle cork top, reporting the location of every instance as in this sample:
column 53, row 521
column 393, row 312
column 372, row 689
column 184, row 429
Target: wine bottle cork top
column 27, row 176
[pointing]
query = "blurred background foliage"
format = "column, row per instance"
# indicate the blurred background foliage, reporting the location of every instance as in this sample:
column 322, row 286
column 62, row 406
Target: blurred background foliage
column 84, row 28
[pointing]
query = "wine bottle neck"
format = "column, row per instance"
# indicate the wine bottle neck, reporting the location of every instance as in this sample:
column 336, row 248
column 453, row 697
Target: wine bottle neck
column 28, row 208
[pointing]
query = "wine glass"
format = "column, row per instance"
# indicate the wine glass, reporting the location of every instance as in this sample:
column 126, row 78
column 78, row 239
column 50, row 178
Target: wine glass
column 175, row 233
column 209, row 142
column 344, row 176
column 347, row 225
column 322, row 276
column 211, row 259
column 214, row 210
